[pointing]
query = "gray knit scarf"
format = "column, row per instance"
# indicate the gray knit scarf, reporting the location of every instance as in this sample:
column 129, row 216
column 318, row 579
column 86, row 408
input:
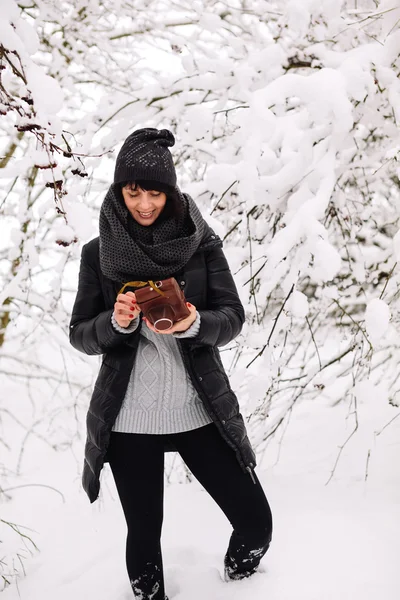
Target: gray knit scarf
column 130, row 251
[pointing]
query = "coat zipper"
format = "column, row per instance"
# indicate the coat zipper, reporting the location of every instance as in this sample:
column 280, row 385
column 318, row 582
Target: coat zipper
column 250, row 471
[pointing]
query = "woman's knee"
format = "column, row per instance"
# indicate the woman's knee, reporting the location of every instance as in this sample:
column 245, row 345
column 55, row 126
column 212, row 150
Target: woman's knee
column 256, row 523
column 259, row 506
column 258, row 534
column 145, row 526
column 141, row 539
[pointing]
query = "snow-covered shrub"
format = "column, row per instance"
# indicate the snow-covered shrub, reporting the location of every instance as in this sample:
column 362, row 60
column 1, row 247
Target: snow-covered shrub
column 286, row 116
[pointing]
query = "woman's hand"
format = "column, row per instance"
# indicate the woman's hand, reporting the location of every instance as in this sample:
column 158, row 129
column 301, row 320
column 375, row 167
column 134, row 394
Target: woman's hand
column 126, row 309
column 178, row 327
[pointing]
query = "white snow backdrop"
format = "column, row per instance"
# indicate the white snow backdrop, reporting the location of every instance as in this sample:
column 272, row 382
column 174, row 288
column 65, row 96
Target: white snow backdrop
column 286, row 118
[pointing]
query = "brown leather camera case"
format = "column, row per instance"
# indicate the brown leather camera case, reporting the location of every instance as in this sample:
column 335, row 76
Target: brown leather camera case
column 163, row 310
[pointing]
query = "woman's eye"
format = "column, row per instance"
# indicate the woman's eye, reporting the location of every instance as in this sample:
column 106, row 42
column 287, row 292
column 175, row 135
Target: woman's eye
column 155, row 193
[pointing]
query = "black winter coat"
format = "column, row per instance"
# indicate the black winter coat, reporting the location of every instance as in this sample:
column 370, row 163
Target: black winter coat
column 208, row 284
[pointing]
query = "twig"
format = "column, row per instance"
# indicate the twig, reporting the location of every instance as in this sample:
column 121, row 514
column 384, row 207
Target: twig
column 283, row 435
column 222, row 197
column 273, row 328
column 14, row 526
column 387, row 280
column 315, row 343
column 2, row 490
column 392, row 29
column 226, row 110
column 387, row 424
column 257, row 272
column 232, row 229
column 113, row 115
column 252, row 290
column 355, row 323
column 373, row 16
column 367, row 465
column 341, row 448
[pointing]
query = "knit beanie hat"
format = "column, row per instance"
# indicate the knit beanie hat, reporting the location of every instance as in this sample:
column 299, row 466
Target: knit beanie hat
column 145, row 156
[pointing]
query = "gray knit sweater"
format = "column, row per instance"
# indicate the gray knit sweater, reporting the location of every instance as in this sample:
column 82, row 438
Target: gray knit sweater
column 160, row 397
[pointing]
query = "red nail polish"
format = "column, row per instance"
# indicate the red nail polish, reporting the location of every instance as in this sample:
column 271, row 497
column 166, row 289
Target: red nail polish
column 131, row 316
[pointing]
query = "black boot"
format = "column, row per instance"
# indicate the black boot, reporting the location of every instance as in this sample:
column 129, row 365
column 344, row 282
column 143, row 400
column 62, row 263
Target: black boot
column 232, row 573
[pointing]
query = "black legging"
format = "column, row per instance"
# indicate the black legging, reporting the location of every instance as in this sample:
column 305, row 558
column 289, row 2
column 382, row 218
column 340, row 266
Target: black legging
column 137, row 464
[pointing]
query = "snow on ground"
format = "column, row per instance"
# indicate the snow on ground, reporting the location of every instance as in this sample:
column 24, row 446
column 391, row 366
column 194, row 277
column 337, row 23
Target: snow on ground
column 331, row 542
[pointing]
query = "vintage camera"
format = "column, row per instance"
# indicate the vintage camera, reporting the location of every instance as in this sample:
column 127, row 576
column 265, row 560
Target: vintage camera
column 164, row 304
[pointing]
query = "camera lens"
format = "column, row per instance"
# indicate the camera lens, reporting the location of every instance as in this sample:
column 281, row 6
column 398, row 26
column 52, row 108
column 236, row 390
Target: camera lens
column 163, row 324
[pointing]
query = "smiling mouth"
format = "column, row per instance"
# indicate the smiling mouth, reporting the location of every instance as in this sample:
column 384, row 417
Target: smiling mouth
column 145, row 215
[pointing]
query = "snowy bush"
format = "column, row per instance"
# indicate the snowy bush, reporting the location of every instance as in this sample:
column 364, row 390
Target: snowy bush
column 286, row 116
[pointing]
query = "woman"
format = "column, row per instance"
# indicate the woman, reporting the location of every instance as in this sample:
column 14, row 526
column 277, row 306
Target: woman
column 158, row 391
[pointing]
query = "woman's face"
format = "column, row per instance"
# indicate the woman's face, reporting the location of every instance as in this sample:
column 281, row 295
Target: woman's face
column 144, row 206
